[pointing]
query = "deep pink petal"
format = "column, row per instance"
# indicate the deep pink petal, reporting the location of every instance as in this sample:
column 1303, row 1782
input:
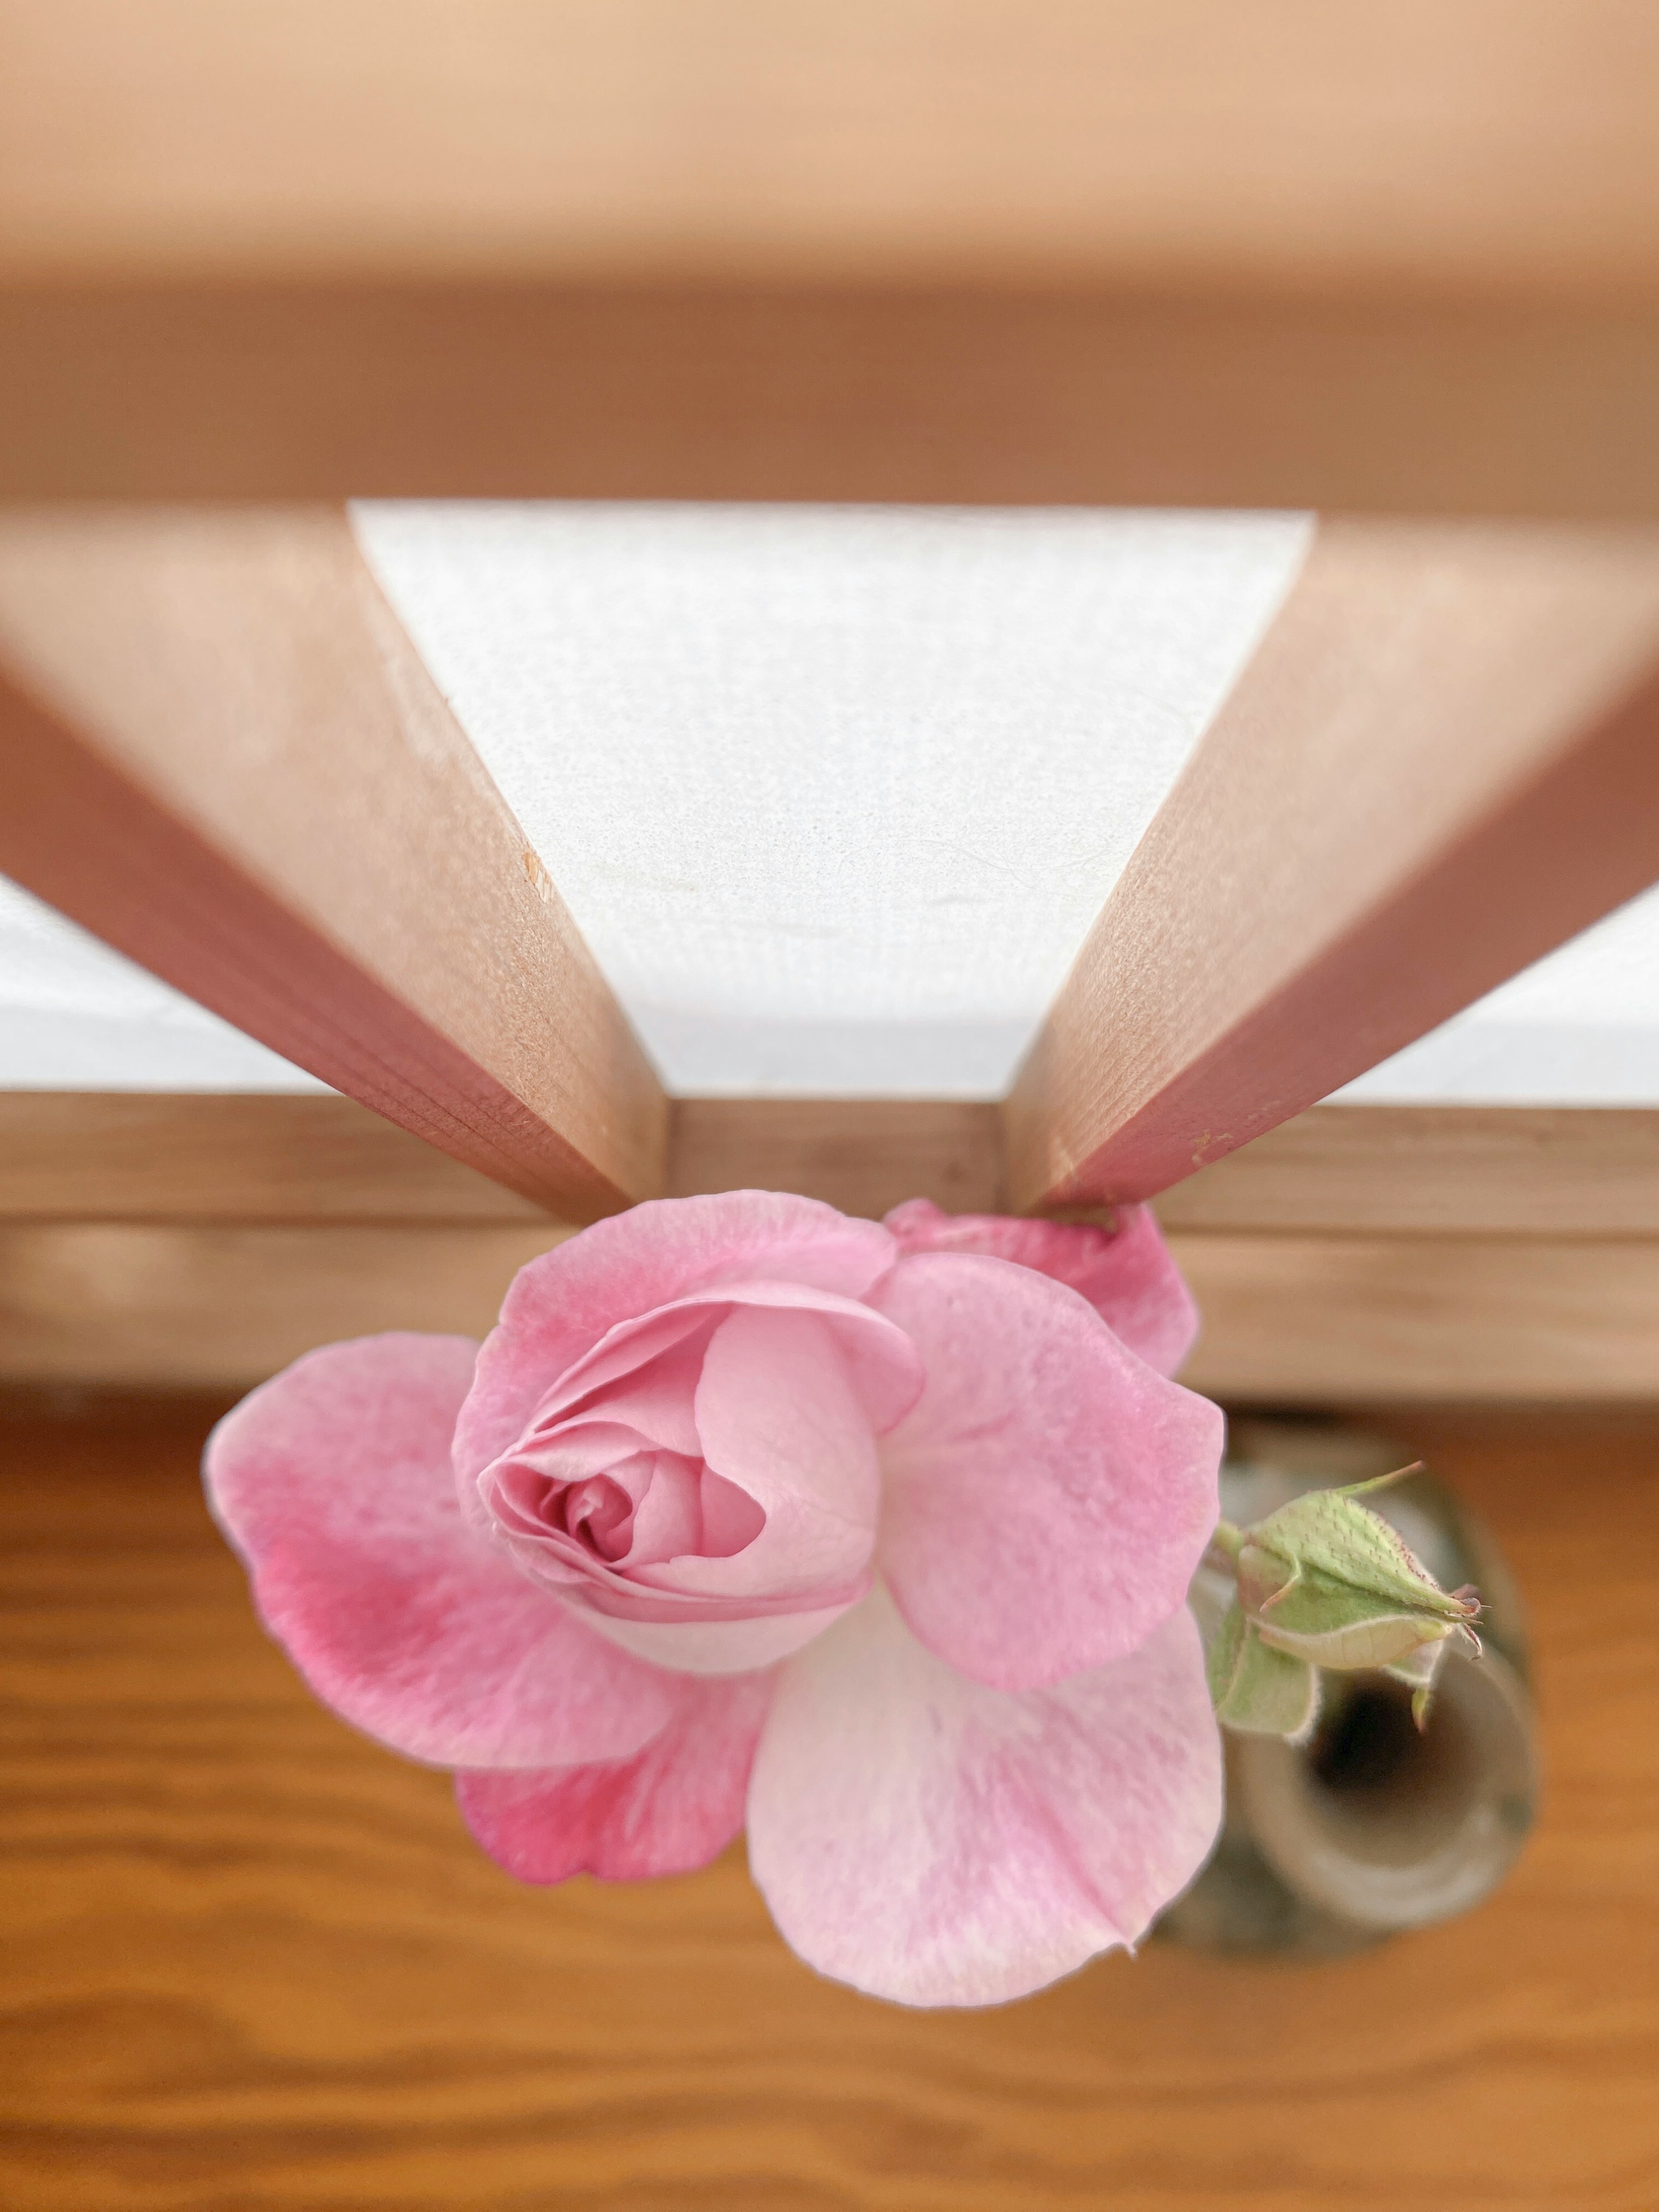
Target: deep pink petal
column 1125, row 1273
column 1049, row 1496
column 939, row 1843
column 333, row 1481
column 670, row 1809
column 561, row 1304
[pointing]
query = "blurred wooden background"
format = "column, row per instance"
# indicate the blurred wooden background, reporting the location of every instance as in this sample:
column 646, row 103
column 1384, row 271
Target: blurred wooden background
column 253, row 1962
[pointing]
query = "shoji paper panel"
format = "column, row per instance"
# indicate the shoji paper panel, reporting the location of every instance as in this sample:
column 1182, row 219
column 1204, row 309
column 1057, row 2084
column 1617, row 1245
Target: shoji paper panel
column 74, row 1016
column 835, row 794
column 1579, row 1029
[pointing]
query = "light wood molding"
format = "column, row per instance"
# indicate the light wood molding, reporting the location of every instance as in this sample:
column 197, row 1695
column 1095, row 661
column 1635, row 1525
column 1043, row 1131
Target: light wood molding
column 1343, row 1320
column 180, row 1155
column 239, row 1159
column 1426, row 1171
column 1155, row 253
column 135, row 1156
column 1442, row 760
column 1359, row 1253
column 222, row 754
column 482, row 388
column 1325, row 1318
column 174, row 1308
column 863, row 1155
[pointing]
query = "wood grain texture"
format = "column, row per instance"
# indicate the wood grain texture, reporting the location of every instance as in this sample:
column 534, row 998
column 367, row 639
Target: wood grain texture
column 1441, row 761
column 230, row 1157
column 1338, row 1320
column 1392, row 1170
column 204, row 1307
column 1328, row 1318
column 254, row 1964
column 222, row 754
column 863, row 1155
column 1154, row 253
column 1411, row 1170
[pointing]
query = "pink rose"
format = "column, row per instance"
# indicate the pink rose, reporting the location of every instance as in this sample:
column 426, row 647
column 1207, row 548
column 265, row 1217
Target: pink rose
column 876, row 1538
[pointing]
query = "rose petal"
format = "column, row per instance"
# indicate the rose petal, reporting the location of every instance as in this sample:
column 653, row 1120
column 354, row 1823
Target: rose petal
column 1049, row 1496
column 656, row 1399
column 668, row 1519
column 939, row 1843
column 710, row 1639
column 1125, row 1274
column 561, row 1304
column 333, row 1481
column 886, row 1375
column 780, row 1416
column 671, row 1808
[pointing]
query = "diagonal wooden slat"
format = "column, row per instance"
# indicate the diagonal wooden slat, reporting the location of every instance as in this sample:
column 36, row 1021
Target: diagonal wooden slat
column 220, row 752
column 1443, row 761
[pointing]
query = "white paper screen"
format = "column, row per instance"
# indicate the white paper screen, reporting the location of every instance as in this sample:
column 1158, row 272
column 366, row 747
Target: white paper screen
column 834, row 793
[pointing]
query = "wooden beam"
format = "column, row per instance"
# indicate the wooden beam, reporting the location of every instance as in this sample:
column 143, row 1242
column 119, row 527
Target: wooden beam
column 219, row 1308
column 222, row 754
column 238, row 1160
column 1320, row 1320
column 1358, row 1254
column 244, row 1158
column 1404, row 1170
column 136, row 1157
column 863, row 1155
column 1442, row 760
column 1336, row 1319
column 1024, row 250
column 475, row 386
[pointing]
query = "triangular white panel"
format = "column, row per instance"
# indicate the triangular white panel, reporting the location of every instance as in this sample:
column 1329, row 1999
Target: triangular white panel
column 74, row 1016
column 834, row 793
column 1579, row 1029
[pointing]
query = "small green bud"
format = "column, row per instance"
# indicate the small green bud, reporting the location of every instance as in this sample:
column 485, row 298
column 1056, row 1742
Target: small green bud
column 1327, row 1583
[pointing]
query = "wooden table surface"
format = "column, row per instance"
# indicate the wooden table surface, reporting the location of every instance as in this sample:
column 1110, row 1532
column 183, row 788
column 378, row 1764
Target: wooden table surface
column 252, row 1961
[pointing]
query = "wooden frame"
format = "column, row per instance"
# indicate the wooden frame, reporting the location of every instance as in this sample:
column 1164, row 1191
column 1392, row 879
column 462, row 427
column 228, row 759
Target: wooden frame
column 222, row 751
column 1027, row 264
column 183, row 1159
column 1356, row 1254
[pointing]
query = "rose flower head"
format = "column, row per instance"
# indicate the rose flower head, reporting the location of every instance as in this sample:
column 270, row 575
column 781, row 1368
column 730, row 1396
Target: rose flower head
column 873, row 1538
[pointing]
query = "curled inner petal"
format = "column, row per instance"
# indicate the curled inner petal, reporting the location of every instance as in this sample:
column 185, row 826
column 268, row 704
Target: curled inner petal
column 599, row 1513
column 642, row 1509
